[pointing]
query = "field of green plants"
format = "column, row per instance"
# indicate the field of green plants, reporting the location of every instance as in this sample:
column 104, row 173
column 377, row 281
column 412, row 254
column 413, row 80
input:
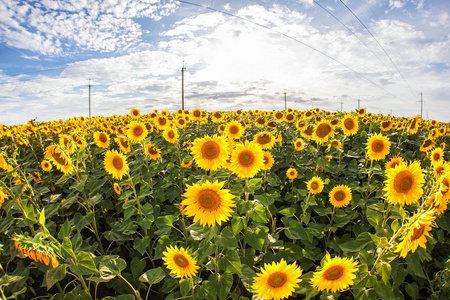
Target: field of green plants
column 225, row 205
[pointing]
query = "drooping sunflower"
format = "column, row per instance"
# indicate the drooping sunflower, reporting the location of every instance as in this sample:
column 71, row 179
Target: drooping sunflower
column 438, row 203
column 152, row 151
column 171, row 135
column 101, row 139
column 386, row 125
column 136, row 132
column 208, row 203
column 322, row 132
column 247, row 159
column 234, row 130
column 335, row 143
column 117, row 188
column 210, row 153
column 59, row 159
column 444, row 186
column 340, row 196
column 46, row 165
column 336, row 275
column 307, row 131
column 277, row 280
column 180, row 262
column 268, row 160
column 427, row 144
column 124, row 146
column 350, row 125
column 265, row 139
column 413, row 127
column 441, row 168
column 437, row 156
column 115, row 164
column 315, row 185
column 291, row 173
column 186, row 164
column 378, row 146
column 403, row 184
column 299, row 144
column 416, row 232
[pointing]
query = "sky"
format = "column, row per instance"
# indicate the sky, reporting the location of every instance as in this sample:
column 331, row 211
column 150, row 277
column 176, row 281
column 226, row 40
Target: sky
column 237, row 55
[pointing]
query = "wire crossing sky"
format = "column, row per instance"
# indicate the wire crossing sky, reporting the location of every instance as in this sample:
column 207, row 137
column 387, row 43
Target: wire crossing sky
column 240, row 55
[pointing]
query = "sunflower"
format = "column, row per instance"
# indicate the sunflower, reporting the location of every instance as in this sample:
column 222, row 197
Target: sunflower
column 350, row 125
column 234, row 130
column 247, row 159
column 277, row 280
column 404, row 183
column 291, row 173
column 152, row 151
column 441, row 168
column 186, row 164
column 217, row 116
column 208, row 203
column 335, row 143
column 161, row 122
column 444, row 186
column 210, row 153
column 378, row 146
column 413, row 127
column 46, row 166
column 437, row 156
column 171, row 135
column 289, row 118
column 101, row 139
column 278, row 116
column 117, row 188
column 136, row 132
column 322, row 132
column 180, row 262
column 336, row 275
column 197, row 114
column 315, row 185
column 115, row 164
column 307, row 131
column 60, row 159
column 361, row 112
column 416, row 232
column 427, row 145
column 135, row 113
column 3, row 197
column 395, row 161
column 386, row 125
column 340, row 196
column 299, row 144
column 268, row 161
column 439, row 204
column 124, row 146
column 265, row 139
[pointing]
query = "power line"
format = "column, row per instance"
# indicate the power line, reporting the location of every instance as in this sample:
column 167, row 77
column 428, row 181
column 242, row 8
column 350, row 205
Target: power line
column 353, row 33
column 379, row 45
column 292, row 38
column 371, row 9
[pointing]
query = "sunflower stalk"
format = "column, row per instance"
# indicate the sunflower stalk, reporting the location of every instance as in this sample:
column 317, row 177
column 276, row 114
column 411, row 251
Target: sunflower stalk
column 331, row 224
column 138, row 203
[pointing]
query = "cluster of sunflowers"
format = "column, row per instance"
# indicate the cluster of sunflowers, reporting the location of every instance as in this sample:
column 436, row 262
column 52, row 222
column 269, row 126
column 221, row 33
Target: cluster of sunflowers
column 225, row 165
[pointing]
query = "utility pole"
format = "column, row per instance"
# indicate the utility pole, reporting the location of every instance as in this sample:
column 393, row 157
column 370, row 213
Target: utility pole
column 358, row 103
column 182, row 85
column 390, row 113
column 285, row 103
column 421, row 104
column 341, row 104
column 89, row 98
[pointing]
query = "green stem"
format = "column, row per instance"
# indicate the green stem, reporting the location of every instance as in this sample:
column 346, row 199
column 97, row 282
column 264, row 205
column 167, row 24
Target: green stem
column 2, row 294
column 136, row 293
column 60, row 288
column 331, row 224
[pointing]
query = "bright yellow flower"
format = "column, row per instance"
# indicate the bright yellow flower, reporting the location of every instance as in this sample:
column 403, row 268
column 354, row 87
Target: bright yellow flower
column 340, row 196
column 315, row 185
column 336, row 275
column 291, row 173
column 136, row 132
column 180, row 262
column 403, row 184
column 101, row 139
column 350, row 125
column 247, row 159
column 115, row 164
column 378, row 146
column 210, row 153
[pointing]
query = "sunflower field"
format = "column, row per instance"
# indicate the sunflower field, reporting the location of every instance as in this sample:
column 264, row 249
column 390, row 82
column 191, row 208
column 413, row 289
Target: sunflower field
column 225, row 205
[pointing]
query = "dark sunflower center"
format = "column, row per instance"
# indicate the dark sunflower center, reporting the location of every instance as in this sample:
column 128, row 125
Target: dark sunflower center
column 314, row 185
column 209, row 199
column 403, row 182
column 197, row 114
column 117, row 162
column 439, row 170
column 138, row 131
column 152, row 150
column 171, row 134
column 102, row 137
column 323, row 130
column 277, row 279
column 210, row 150
column 339, row 195
column 162, row 121
column 279, row 115
column 124, row 143
column 417, row 233
column 333, row 273
column 349, row 124
column 234, row 129
column 427, row 143
column 180, row 261
column 217, row 115
column 436, row 156
column 289, row 117
column 60, row 159
column 264, row 138
column 246, row 158
column 377, row 146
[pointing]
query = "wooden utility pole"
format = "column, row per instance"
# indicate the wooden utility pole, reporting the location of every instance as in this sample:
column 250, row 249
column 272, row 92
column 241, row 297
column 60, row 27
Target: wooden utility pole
column 89, row 98
column 285, row 103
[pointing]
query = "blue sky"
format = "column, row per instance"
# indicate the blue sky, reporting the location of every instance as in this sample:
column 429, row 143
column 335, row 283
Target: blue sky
column 133, row 52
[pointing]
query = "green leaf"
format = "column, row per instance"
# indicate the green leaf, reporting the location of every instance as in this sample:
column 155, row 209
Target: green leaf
column 226, row 239
column 115, row 265
column 9, row 279
column 255, row 237
column 414, row 265
column 185, row 287
column 222, row 284
column 141, row 244
column 66, row 249
column 258, row 214
column 85, row 264
column 413, row 290
column 41, row 220
column 288, row 212
column 81, row 221
column 384, row 270
column 64, row 231
column 153, row 276
column 234, row 262
column 237, row 224
column 384, row 291
column 52, row 276
column 357, row 244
